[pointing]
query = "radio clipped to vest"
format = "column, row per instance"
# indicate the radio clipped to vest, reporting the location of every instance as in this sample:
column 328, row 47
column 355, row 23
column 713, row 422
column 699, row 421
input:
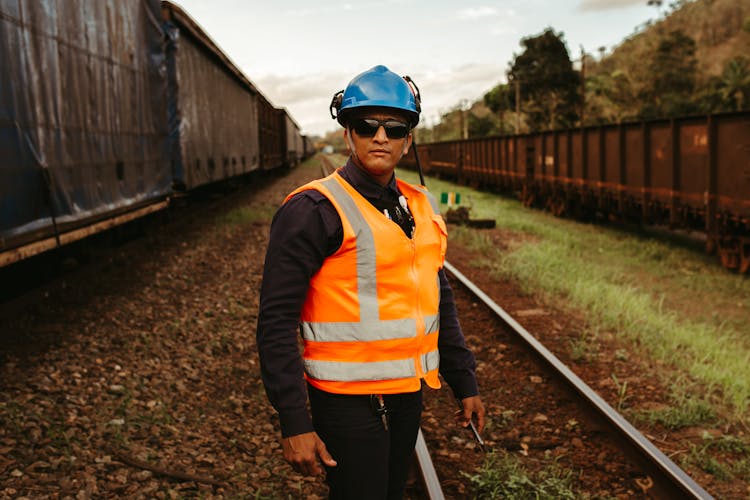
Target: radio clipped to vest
column 398, row 212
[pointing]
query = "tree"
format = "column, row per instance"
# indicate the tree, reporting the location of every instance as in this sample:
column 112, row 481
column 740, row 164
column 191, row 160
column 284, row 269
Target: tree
column 480, row 126
column 499, row 100
column 735, row 83
column 549, row 86
column 708, row 97
column 672, row 67
column 657, row 4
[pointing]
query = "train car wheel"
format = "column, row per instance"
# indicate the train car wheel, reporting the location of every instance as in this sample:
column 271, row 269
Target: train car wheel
column 711, row 245
column 552, row 205
column 558, row 207
column 528, row 200
column 729, row 252
column 744, row 256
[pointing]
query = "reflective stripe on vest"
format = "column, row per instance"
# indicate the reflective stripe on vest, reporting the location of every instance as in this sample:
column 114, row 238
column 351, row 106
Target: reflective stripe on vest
column 376, row 370
column 433, row 200
column 376, row 330
column 430, row 361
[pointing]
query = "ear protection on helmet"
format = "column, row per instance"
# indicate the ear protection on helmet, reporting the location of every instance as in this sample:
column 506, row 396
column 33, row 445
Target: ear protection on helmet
column 415, row 91
column 336, row 101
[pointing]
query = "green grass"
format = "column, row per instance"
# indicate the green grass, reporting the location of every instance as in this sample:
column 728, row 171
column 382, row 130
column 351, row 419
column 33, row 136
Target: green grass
column 675, row 303
column 503, row 476
column 703, row 455
column 685, row 412
column 741, row 468
column 246, row 215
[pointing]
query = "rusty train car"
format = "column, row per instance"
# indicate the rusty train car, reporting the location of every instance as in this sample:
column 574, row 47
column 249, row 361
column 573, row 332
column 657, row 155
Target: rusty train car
column 688, row 173
column 220, row 123
column 109, row 108
column 213, row 107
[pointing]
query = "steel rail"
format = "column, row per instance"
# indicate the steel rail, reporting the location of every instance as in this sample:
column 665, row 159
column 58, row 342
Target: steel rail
column 427, row 469
column 326, row 165
column 668, row 479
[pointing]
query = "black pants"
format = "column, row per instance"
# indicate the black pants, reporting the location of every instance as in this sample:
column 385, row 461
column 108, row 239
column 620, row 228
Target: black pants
column 372, row 463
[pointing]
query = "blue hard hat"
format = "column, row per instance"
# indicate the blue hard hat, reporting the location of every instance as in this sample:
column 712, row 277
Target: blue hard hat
column 380, row 87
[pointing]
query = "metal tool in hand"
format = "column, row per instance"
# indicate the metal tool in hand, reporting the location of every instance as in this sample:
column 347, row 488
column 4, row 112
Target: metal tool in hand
column 479, row 439
column 473, row 427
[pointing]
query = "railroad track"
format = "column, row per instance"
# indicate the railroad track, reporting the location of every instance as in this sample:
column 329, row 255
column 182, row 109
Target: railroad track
column 326, row 165
column 663, row 478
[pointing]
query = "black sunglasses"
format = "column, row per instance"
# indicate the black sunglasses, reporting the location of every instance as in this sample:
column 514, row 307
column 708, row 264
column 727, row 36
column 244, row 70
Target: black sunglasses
column 368, row 127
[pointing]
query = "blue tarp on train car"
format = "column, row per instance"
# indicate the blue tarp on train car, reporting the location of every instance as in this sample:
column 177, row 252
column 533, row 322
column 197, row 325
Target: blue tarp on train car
column 82, row 113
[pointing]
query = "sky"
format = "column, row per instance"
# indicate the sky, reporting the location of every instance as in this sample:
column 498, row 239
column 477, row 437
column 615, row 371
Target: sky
column 299, row 52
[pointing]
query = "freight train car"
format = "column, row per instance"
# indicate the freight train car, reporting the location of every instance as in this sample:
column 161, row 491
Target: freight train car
column 272, row 133
column 295, row 146
column 107, row 107
column 307, row 147
column 686, row 173
column 82, row 120
column 213, row 107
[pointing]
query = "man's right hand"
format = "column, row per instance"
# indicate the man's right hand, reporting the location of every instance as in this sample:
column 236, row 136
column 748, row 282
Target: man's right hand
column 302, row 452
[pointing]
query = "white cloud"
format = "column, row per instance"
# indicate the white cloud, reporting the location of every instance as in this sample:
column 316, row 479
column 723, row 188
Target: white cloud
column 443, row 90
column 478, row 12
column 608, row 4
column 503, row 30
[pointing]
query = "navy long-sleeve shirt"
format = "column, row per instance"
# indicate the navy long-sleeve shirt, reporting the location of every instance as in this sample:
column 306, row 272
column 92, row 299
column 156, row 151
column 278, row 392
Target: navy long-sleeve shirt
column 304, row 232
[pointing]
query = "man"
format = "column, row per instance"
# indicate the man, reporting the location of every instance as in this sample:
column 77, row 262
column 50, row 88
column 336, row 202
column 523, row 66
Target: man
column 355, row 262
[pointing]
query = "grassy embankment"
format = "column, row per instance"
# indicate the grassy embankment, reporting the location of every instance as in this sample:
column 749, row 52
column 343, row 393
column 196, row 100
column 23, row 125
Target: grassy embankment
column 674, row 302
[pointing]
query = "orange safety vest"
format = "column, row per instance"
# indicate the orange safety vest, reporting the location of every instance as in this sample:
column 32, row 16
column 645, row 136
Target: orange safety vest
column 370, row 321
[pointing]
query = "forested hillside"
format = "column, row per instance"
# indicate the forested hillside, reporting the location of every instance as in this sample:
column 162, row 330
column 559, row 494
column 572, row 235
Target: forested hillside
column 720, row 29
column 693, row 59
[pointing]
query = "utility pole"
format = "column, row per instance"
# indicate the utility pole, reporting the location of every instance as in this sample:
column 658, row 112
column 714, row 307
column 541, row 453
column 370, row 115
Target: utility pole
column 583, row 83
column 464, row 119
column 500, row 113
column 461, row 120
column 518, row 106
